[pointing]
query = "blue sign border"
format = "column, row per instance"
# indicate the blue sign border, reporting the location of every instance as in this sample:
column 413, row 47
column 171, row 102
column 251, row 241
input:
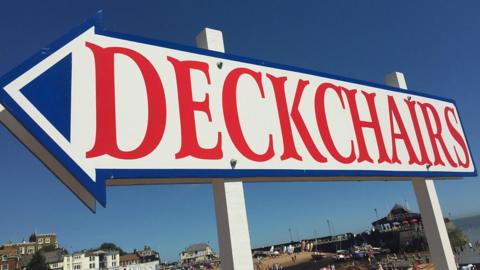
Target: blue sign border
column 98, row 188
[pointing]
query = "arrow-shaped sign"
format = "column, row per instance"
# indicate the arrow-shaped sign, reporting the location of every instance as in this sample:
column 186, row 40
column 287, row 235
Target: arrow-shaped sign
column 37, row 96
column 98, row 106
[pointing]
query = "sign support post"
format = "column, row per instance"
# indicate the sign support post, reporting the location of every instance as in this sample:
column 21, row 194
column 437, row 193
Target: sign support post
column 432, row 218
column 230, row 210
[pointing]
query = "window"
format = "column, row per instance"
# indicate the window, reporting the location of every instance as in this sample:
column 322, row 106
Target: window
column 4, row 258
column 54, row 265
column 30, row 250
column 114, row 256
column 76, row 266
column 92, row 265
column 40, row 240
column 76, row 257
column 22, row 250
column 5, row 267
column 114, row 264
column 92, row 259
column 47, row 240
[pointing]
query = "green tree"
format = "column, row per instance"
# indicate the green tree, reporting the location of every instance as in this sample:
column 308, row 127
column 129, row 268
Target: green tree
column 111, row 246
column 457, row 237
column 37, row 262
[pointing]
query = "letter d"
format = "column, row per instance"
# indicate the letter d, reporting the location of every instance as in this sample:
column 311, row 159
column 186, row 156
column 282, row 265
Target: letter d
column 106, row 131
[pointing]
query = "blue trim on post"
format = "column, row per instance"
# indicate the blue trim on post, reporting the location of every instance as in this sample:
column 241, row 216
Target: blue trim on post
column 98, row 188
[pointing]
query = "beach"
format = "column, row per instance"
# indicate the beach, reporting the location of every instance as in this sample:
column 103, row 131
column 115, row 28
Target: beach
column 304, row 261
column 283, row 260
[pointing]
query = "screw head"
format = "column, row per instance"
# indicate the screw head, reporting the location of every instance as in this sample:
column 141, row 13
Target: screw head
column 233, row 163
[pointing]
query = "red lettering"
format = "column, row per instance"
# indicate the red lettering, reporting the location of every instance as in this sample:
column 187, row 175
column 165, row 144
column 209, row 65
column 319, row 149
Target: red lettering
column 106, row 131
column 418, row 133
column 188, row 107
column 301, row 126
column 230, row 112
column 457, row 137
column 435, row 136
column 283, row 114
column 322, row 122
column 402, row 135
column 359, row 125
column 289, row 150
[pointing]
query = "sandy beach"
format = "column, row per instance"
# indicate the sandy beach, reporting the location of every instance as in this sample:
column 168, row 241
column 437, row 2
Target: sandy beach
column 304, row 262
column 283, row 260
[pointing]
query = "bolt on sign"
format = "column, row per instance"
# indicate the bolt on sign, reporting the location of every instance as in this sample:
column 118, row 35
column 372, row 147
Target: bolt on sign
column 108, row 106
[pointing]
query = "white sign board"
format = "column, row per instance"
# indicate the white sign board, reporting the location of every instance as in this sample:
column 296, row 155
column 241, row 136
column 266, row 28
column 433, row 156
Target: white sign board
column 112, row 106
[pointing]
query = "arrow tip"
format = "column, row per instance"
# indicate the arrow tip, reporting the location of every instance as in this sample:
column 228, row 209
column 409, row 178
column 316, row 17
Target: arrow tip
column 53, row 87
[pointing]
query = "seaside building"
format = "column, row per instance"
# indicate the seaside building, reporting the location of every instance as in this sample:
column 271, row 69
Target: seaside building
column 402, row 230
column 54, row 259
column 399, row 218
column 198, row 254
column 45, row 239
column 9, row 258
column 129, row 259
column 146, row 259
column 92, row 260
column 36, row 243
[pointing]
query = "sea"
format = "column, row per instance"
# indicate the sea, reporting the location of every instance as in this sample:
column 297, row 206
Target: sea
column 470, row 227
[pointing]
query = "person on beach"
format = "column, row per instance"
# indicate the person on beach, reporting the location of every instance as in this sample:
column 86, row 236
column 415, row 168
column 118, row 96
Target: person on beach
column 355, row 268
column 370, row 255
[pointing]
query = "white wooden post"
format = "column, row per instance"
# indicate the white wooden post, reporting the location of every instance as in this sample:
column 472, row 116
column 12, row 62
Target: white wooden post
column 432, row 218
column 230, row 210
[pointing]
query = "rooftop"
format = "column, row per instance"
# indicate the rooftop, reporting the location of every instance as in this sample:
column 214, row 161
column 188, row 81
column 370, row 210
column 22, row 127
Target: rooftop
column 398, row 213
column 399, row 209
column 9, row 251
column 197, row 247
column 129, row 257
column 45, row 234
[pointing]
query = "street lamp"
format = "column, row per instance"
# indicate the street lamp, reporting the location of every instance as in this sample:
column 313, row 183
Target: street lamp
column 329, row 228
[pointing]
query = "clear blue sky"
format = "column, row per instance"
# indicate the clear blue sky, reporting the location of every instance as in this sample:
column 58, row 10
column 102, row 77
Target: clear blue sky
column 435, row 43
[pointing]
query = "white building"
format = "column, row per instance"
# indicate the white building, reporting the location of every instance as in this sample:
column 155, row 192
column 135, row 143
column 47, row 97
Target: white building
column 197, row 254
column 94, row 260
column 154, row 265
column 146, row 259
